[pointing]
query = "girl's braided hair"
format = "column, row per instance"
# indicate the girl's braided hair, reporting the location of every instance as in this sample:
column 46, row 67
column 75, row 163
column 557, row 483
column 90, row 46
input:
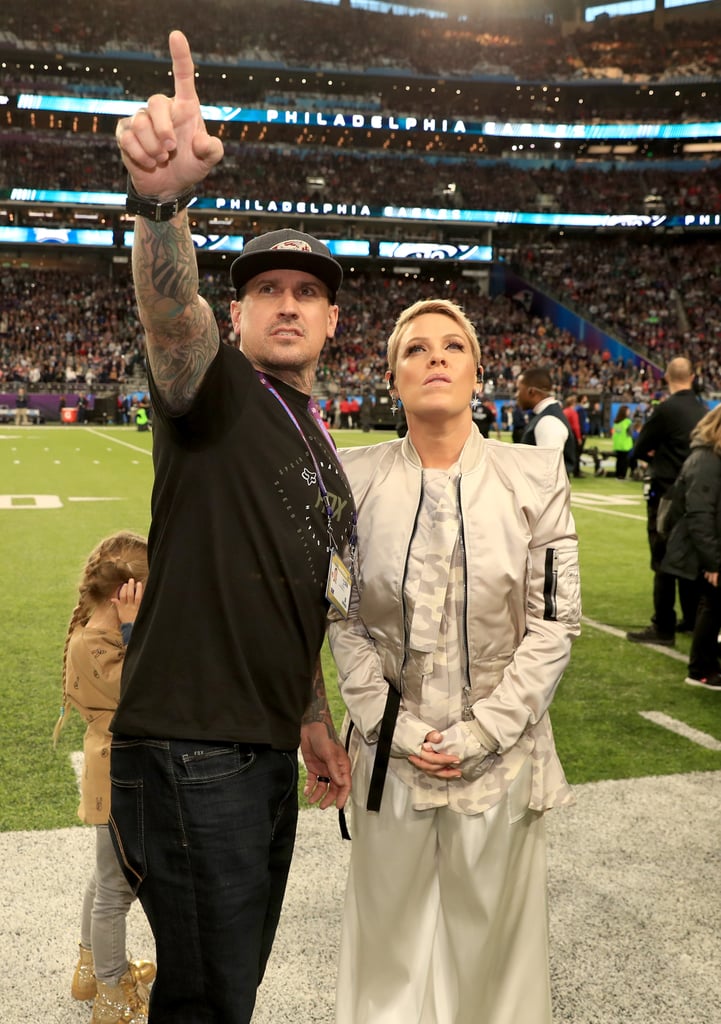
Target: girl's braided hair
column 115, row 560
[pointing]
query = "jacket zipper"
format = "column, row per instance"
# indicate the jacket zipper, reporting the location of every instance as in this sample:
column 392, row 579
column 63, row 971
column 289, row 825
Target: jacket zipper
column 403, row 589
column 467, row 713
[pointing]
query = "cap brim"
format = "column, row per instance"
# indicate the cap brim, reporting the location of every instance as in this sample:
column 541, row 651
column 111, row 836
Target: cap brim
column 325, row 268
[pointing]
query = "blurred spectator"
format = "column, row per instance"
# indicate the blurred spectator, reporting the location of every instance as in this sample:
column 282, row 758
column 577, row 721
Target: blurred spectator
column 622, row 438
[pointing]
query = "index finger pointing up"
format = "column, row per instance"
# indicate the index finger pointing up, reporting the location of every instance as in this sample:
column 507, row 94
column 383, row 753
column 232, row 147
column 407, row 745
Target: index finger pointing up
column 183, row 67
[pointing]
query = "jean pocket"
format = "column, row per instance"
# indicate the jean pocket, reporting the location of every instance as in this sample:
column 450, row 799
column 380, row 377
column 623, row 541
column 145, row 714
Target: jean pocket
column 195, row 763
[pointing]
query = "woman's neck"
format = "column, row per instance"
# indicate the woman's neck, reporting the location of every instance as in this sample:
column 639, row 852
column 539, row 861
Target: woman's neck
column 439, row 445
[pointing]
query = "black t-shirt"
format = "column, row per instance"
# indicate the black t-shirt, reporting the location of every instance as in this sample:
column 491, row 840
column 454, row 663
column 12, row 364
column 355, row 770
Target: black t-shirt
column 234, row 612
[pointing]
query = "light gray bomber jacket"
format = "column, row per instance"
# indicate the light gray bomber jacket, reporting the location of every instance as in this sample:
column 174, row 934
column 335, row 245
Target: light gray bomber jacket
column 522, row 598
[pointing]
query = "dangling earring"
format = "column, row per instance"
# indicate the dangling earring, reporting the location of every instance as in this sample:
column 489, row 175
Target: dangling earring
column 477, row 391
column 389, row 386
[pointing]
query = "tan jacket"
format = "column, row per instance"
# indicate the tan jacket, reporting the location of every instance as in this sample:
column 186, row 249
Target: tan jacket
column 93, row 666
column 522, row 601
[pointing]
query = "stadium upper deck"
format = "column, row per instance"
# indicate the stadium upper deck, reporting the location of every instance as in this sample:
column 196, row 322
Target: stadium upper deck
column 328, row 142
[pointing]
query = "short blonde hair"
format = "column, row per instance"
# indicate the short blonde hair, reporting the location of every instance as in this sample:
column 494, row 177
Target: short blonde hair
column 450, row 309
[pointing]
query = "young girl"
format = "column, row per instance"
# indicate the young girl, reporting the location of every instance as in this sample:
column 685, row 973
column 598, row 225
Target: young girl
column 110, row 591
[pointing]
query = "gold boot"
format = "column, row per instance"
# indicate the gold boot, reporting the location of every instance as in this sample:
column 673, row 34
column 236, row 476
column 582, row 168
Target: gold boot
column 83, row 985
column 142, row 970
column 124, row 1003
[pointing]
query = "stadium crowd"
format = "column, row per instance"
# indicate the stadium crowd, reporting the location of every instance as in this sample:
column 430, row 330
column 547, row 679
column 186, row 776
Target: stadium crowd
column 62, row 328
column 662, row 301
column 56, row 160
column 316, row 35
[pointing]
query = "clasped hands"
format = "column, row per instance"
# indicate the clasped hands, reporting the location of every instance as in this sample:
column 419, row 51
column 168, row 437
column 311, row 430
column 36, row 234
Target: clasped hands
column 450, row 754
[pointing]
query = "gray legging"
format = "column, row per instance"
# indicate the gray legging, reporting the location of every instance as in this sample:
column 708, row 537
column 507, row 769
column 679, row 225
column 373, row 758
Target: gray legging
column 105, row 907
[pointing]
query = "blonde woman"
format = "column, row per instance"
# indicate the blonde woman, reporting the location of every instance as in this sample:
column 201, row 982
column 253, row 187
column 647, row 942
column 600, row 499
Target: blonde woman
column 464, row 606
column 109, row 595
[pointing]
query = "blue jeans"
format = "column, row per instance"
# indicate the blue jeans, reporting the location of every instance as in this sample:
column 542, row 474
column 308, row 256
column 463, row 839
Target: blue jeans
column 205, row 833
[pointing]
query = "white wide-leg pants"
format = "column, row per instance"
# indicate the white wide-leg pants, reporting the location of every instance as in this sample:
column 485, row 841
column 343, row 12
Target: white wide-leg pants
column 445, row 918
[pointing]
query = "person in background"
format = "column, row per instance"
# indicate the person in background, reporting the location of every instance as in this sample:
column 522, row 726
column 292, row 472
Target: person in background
column 82, row 406
column 142, row 416
column 583, row 407
column 459, row 631
column 109, row 595
column 366, row 411
column 123, row 415
column 693, row 548
column 663, row 444
column 484, row 417
column 582, row 411
column 21, row 408
column 595, row 420
column 622, row 439
column 547, row 426
column 519, row 422
column 250, row 509
column 571, row 414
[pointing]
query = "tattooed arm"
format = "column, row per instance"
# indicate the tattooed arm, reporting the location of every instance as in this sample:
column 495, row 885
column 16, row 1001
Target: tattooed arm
column 181, row 332
column 167, row 150
column 324, row 755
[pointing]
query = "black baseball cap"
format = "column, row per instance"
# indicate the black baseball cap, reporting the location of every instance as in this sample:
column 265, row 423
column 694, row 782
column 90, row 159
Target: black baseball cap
column 286, row 250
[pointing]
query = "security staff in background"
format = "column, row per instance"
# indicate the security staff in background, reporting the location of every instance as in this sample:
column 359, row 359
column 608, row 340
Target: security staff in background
column 547, row 426
column 663, row 443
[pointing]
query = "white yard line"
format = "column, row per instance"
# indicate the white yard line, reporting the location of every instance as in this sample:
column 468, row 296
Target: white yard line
column 702, row 739
column 609, row 511
column 116, row 440
column 658, row 717
column 621, row 633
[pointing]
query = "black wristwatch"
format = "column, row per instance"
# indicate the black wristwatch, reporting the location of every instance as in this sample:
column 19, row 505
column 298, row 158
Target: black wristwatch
column 152, row 208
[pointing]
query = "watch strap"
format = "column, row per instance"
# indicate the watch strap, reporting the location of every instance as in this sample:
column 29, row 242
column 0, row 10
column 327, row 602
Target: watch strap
column 152, row 208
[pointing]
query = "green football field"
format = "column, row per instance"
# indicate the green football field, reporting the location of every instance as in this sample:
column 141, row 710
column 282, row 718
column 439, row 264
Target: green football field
column 621, row 711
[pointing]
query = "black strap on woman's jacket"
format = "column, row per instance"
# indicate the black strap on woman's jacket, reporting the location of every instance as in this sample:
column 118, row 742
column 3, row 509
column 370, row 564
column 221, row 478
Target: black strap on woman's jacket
column 344, row 833
column 383, row 753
